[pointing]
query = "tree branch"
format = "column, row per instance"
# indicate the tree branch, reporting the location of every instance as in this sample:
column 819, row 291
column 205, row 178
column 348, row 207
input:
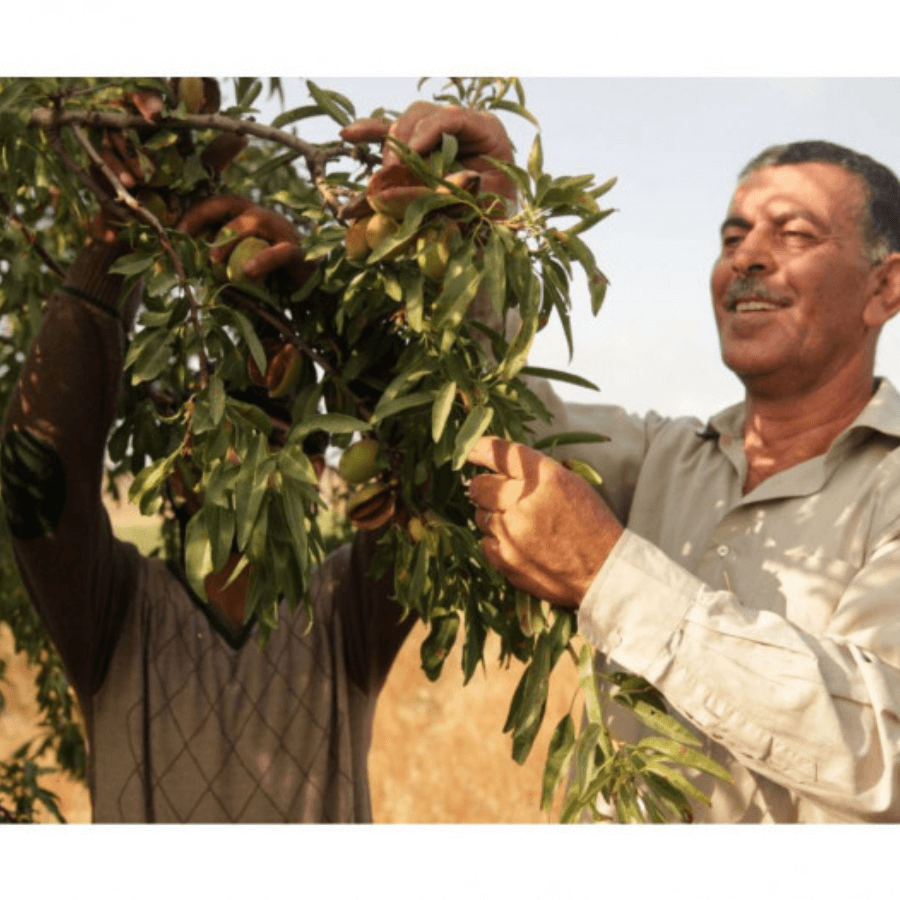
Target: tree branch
column 30, row 236
column 314, row 154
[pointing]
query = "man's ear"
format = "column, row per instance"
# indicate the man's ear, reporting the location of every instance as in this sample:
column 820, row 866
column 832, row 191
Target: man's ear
column 884, row 299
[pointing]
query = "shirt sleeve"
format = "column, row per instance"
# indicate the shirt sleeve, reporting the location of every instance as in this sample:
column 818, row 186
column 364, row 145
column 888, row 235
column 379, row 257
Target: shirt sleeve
column 819, row 715
column 55, row 431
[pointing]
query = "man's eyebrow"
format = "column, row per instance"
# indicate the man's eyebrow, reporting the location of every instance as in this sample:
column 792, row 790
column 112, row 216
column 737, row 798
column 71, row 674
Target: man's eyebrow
column 735, row 222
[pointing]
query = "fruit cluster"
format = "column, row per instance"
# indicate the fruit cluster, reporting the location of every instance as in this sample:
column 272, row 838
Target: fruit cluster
column 378, row 217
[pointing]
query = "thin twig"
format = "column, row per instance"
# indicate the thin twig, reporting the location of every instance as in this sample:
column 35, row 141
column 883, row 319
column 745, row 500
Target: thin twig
column 316, row 156
column 30, row 236
column 141, row 212
column 237, row 296
column 317, row 153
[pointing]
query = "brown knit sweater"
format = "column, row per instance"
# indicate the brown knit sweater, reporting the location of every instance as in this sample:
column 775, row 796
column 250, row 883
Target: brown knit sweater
column 186, row 722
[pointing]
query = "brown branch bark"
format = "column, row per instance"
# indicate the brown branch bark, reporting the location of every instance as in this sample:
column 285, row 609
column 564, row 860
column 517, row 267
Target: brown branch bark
column 316, row 155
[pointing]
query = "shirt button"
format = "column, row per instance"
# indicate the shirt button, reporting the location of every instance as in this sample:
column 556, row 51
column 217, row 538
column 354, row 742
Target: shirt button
column 722, row 550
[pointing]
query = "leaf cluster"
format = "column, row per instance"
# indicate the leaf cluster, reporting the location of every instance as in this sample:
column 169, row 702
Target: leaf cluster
column 422, row 361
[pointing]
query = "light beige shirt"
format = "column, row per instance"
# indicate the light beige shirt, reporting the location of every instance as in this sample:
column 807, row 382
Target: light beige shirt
column 770, row 621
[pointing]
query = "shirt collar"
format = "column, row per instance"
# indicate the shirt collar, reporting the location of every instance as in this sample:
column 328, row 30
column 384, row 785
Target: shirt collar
column 881, row 413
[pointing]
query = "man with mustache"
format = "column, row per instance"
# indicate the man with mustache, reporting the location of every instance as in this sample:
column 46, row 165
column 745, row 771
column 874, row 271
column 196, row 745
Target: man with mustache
column 749, row 566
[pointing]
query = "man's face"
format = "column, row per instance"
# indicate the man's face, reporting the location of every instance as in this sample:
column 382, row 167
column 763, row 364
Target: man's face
column 792, row 279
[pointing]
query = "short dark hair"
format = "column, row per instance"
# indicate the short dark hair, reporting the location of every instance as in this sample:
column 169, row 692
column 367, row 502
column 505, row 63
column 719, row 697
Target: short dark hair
column 881, row 228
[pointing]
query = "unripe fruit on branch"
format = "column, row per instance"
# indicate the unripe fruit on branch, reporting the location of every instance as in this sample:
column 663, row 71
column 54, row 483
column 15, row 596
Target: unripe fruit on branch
column 199, row 95
column 372, row 506
column 433, row 249
column 249, row 248
column 359, row 462
column 415, row 528
column 379, row 228
column 466, row 179
column 392, row 189
column 355, row 240
column 285, row 371
column 190, row 92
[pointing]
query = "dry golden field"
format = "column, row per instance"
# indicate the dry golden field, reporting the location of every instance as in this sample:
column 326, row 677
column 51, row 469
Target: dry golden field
column 438, row 751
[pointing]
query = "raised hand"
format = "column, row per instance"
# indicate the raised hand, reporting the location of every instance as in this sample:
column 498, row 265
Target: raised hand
column 546, row 529
column 230, row 219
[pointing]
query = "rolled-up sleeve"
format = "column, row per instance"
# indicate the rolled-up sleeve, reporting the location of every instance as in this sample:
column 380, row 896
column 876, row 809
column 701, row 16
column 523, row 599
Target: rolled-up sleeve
column 819, row 715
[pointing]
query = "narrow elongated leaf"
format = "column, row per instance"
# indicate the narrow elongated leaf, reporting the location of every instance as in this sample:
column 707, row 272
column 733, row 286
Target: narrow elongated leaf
column 662, row 722
column 436, row 646
column 475, row 425
column 295, row 115
column 536, row 158
column 495, row 273
column 248, row 333
column 458, row 293
column 333, row 423
column 132, row 264
column 559, row 755
column 198, row 555
column 557, row 375
column 440, row 410
column 676, row 780
column 686, row 756
column 327, row 103
column 564, row 438
column 473, row 648
column 149, row 356
column 588, row 682
column 401, row 404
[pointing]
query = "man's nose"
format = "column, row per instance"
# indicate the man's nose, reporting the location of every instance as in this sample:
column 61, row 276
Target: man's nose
column 754, row 255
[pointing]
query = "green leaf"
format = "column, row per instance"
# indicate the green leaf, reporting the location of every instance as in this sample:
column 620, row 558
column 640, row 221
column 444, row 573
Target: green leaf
column 198, row 554
column 659, row 721
column 333, row 423
column 132, row 264
column 437, row 645
column 473, row 648
column 536, row 158
column 149, row 354
column 592, row 705
column 249, row 335
column 564, row 438
column 460, row 287
column 495, row 273
column 474, row 426
column 294, row 115
column 440, row 411
column 676, row 780
column 686, row 756
column 220, row 530
column 559, row 755
column 325, row 100
column 557, row 375
column 585, row 470
column 384, row 410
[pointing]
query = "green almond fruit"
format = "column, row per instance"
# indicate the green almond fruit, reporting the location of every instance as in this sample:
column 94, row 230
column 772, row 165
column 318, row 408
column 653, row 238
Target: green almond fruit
column 249, row 248
column 359, row 462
